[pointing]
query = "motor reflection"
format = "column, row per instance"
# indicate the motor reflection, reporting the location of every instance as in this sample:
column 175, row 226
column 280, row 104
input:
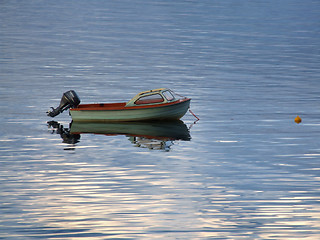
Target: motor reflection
column 67, row 137
column 151, row 135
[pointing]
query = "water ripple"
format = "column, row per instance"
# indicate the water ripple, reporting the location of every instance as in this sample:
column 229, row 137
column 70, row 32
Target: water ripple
column 246, row 170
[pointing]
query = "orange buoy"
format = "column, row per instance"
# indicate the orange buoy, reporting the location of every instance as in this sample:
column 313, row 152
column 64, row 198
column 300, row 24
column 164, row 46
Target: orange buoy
column 298, row 119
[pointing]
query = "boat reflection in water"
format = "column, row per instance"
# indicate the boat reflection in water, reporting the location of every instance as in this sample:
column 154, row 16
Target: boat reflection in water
column 152, row 135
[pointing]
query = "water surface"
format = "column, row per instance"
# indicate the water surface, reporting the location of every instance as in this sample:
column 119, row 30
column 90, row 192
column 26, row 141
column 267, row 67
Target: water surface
column 248, row 171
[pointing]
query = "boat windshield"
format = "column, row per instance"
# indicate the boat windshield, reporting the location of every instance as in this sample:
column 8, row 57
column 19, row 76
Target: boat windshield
column 168, row 95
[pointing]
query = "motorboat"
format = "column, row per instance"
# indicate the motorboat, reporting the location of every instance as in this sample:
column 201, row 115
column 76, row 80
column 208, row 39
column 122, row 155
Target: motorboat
column 153, row 105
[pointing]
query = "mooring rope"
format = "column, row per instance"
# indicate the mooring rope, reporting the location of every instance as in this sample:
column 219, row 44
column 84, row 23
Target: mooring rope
column 194, row 115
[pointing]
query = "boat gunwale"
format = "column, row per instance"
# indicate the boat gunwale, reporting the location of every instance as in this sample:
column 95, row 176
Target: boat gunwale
column 122, row 106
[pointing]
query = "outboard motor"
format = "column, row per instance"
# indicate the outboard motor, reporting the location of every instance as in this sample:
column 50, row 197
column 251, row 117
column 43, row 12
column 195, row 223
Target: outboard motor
column 69, row 99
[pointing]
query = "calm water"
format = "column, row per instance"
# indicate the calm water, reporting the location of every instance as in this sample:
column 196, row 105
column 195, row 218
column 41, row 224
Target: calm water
column 248, row 171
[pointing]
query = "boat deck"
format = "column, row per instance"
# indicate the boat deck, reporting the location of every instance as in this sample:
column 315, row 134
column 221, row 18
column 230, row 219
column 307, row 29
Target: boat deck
column 120, row 106
column 101, row 106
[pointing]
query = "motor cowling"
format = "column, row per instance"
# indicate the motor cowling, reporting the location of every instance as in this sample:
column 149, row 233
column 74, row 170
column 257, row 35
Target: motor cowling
column 69, row 99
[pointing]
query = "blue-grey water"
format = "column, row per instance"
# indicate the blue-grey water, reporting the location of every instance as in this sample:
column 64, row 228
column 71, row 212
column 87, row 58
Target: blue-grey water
column 248, row 172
